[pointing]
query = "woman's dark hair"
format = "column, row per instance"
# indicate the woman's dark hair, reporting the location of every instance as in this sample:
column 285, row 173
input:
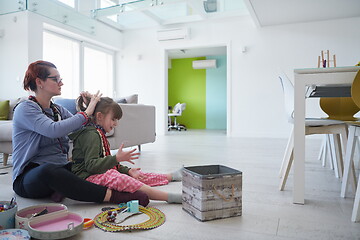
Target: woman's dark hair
column 38, row 69
column 105, row 105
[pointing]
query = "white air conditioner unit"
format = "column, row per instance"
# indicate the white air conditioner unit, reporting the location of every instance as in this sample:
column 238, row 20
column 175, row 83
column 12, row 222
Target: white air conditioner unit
column 202, row 64
column 173, row 34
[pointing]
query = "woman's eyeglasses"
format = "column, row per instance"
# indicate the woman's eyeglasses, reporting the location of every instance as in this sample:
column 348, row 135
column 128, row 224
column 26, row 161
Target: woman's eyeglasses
column 56, row 79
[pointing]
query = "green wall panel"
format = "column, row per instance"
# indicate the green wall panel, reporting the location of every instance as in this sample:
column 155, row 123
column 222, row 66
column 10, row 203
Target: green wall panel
column 188, row 85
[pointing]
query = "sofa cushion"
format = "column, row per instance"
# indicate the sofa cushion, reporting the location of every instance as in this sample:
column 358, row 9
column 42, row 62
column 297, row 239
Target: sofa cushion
column 132, row 99
column 13, row 103
column 121, row 100
column 68, row 103
column 4, row 110
column 136, row 127
column 5, row 131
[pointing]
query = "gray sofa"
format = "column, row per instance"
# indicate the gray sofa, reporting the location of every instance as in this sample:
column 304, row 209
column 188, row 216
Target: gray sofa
column 136, row 127
column 6, row 131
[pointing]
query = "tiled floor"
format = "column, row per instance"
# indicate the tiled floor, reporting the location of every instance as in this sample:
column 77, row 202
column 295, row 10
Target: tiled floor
column 267, row 212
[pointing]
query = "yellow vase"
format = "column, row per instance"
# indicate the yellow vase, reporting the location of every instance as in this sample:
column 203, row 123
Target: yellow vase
column 339, row 108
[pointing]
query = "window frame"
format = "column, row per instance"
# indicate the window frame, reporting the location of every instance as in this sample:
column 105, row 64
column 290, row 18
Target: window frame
column 105, row 50
column 82, row 45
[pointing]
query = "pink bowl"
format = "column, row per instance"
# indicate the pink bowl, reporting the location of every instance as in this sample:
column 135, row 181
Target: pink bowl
column 23, row 216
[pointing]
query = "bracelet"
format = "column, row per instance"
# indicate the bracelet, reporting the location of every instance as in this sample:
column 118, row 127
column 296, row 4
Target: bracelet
column 86, row 116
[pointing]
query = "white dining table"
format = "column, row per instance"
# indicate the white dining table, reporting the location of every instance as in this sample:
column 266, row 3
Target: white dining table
column 304, row 79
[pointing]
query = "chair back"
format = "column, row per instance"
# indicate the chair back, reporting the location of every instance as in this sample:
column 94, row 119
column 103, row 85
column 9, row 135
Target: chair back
column 343, row 108
column 179, row 108
column 288, row 90
column 355, row 89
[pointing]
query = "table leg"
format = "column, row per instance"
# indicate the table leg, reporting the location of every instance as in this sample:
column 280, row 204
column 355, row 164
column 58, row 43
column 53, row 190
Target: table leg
column 299, row 141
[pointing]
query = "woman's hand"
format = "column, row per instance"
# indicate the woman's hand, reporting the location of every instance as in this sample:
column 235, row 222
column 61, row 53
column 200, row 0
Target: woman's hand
column 94, row 100
column 86, row 96
column 122, row 156
column 137, row 174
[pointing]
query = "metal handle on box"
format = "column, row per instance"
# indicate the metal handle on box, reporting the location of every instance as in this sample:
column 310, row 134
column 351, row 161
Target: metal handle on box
column 222, row 196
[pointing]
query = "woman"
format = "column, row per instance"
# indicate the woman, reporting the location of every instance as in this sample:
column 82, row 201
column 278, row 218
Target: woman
column 40, row 144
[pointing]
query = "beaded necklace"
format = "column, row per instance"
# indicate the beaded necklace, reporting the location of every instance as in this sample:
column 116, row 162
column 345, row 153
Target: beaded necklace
column 156, row 219
column 56, row 116
column 55, row 110
column 104, row 141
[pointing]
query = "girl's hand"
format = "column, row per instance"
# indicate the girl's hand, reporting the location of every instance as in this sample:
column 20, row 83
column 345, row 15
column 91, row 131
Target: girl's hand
column 137, row 174
column 92, row 104
column 122, row 156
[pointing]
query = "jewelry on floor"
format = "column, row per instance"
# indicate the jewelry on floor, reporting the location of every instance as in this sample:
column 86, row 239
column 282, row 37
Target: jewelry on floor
column 156, row 219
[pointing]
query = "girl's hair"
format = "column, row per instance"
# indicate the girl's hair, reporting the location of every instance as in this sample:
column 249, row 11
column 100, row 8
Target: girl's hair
column 105, row 105
column 38, row 69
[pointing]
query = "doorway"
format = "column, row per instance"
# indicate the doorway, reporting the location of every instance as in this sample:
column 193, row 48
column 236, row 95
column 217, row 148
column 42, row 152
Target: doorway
column 206, row 91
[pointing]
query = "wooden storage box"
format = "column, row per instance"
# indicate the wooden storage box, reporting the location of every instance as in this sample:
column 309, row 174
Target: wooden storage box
column 212, row 192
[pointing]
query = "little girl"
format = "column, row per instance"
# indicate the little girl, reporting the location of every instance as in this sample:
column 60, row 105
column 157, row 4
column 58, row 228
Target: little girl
column 92, row 159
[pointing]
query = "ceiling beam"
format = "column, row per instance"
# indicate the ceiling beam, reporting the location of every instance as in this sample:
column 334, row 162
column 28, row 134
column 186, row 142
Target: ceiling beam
column 152, row 16
column 198, row 7
column 111, row 23
column 252, row 12
column 184, row 19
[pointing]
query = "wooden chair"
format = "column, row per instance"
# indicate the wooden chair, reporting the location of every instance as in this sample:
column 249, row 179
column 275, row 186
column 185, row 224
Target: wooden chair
column 349, row 171
column 349, row 168
column 355, row 216
column 328, row 153
column 335, row 128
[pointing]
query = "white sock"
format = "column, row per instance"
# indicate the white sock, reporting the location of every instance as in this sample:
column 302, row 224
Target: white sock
column 174, row 198
column 177, row 175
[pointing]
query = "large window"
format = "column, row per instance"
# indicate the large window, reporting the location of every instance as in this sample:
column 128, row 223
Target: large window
column 81, row 65
column 64, row 53
column 99, row 70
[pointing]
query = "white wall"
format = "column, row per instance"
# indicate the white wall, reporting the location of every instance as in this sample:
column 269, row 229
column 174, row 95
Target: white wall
column 256, row 97
column 22, row 44
column 13, row 54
